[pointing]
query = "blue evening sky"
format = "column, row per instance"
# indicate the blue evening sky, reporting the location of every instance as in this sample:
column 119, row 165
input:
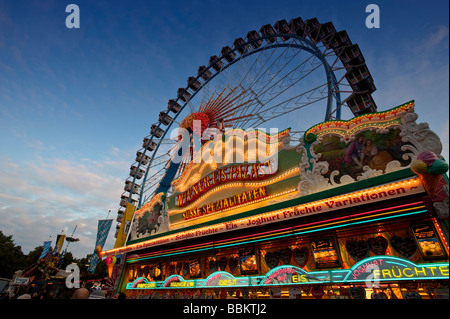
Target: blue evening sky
column 76, row 103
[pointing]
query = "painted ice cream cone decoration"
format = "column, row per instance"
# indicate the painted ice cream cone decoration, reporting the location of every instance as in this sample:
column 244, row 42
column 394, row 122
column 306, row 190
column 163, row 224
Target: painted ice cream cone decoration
column 430, row 169
column 110, row 270
column 430, row 182
column 110, row 261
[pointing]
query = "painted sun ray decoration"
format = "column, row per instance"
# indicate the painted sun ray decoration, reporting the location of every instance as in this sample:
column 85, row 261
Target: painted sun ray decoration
column 219, row 112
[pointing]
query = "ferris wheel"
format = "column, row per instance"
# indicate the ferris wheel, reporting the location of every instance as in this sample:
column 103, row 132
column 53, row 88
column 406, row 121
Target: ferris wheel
column 291, row 74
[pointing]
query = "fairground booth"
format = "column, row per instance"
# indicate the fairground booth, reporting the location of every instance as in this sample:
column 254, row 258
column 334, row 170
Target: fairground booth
column 356, row 209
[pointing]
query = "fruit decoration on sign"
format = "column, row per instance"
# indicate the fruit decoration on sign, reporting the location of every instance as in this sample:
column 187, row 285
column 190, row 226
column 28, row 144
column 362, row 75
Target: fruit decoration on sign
column 378, row 245
column 300, row 256
column 404, row 246
column 285, row 255
column 358, row 250
column 233, row 263
column 178, row 267
column 213, row 265
column 185, row 269
column 272, row 259
column 223, row 261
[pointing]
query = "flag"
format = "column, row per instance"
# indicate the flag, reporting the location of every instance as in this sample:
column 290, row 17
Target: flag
column 45, row 249
column 128, row 216
column 59, row 243
column 104, row 226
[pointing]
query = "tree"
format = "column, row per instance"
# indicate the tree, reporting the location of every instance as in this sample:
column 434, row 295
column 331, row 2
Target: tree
column 11, row 256
column 34, row 255
column 101, row 270
column 67, row 260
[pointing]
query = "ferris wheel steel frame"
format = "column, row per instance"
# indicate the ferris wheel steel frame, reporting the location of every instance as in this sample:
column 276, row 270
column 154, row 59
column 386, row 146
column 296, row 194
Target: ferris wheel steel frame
column 246, row 49
column 331, row 82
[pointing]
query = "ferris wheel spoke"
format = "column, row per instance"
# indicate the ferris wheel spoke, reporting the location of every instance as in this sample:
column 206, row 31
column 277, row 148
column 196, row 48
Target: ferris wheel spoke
column 154, row 179
column 273, row 94
column 274, row 112
column 274, row 72
column 259, row 97
column 262, row 71
column 260, row 80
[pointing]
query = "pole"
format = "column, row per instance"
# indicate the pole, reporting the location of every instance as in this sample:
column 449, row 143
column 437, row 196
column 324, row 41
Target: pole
column 65, row 250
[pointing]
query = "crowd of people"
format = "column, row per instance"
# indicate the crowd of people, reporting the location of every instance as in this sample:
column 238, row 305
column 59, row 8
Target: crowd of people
column 80, row 293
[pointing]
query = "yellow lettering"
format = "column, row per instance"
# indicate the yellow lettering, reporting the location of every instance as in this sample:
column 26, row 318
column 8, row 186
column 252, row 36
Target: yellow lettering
column 245, row 173
column 227, row 282
column 223, row 176
column 233, row 170
column 206, row 182
column 254, row 173
column 215, row 177
column 260, row 171
column 188, row 194
column 179, row 199
column 262, row 191
column 297, row 278
column 399, row 272
column 423, row 271
column 239, row 172
column 444, row 270
column 409, row 269
column 432, row 270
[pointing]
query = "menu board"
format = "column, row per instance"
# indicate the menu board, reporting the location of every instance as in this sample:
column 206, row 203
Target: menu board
column 428, row 241
column 325, row 253
column 247, row 258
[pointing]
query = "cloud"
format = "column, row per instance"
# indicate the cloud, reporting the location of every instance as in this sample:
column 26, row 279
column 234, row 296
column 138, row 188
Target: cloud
column 417, row 72
column 435, row 39
column 38, row 199
column 115, row 151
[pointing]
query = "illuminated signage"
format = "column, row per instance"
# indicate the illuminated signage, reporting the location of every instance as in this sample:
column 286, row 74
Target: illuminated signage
column 239, row 199
column 388, row 268
column 146, row 286
column 225, row 279
column 372, row 269
column 242, row 172
column 182, row 284
column 366, row 196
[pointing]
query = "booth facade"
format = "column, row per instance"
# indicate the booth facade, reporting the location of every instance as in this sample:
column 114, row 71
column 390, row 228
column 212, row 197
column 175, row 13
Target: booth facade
column 356, row 209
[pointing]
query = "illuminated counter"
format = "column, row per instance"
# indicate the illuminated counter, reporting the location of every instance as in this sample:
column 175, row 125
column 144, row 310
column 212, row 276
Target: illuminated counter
column 371, row 271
